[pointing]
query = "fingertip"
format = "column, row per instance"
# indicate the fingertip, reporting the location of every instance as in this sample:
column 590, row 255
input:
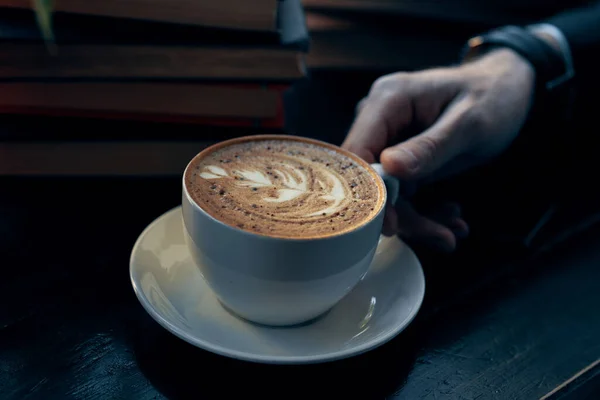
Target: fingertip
column 460, row 228
column 446, row 241
column 356, row 145
column 399, row 162
column 362, row 152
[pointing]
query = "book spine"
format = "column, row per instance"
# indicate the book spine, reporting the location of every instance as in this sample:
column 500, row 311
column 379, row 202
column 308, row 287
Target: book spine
column 143, row 158
column 76, row 62
column 275, row 119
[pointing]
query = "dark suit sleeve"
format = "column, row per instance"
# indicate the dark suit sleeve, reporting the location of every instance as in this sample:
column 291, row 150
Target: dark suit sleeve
column 581, row 27
column 572, row 141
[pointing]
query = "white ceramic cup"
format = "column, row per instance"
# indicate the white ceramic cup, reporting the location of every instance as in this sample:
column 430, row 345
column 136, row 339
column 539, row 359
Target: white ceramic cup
column 281, row 281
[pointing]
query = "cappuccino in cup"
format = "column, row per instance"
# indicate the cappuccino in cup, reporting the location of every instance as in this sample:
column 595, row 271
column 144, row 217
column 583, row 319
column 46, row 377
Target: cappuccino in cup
column 285, row 188
column 282, row 227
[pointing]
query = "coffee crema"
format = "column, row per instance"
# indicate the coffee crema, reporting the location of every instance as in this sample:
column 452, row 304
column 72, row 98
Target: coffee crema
column 291, row 188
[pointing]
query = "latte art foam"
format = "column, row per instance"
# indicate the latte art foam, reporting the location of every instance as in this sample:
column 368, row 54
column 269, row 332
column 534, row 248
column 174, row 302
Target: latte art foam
column 284, row 188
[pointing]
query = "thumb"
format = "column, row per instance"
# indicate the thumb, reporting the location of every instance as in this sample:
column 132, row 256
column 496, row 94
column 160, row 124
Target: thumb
column 424, row 154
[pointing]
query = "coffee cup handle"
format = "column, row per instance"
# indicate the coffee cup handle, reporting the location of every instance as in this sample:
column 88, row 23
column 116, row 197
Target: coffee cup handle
column 392, row 184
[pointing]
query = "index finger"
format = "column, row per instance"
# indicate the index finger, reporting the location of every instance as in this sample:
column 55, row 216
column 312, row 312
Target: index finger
column 380, row 118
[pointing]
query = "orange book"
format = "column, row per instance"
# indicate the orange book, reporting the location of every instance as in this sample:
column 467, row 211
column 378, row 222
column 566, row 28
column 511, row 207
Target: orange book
column 207, row 104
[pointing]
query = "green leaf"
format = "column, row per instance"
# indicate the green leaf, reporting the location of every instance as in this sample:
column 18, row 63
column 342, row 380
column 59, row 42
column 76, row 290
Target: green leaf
column 43, row 14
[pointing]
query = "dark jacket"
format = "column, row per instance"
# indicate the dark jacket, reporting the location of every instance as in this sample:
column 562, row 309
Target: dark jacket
column 581, row 27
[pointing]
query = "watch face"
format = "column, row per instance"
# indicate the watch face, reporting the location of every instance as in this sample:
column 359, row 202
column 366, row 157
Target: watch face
column 470, row 49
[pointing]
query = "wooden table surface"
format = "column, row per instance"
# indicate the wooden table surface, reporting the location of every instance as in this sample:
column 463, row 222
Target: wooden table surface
column 71, row 327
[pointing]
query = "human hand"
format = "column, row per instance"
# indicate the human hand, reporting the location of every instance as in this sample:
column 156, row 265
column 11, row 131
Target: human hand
column 430, row 124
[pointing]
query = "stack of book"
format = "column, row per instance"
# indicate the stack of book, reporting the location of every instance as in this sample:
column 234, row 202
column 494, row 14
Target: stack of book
column 194, row 70
column 391, row 35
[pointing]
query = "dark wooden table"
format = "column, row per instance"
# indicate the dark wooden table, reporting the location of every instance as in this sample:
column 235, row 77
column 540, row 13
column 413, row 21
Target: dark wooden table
column 71, row 327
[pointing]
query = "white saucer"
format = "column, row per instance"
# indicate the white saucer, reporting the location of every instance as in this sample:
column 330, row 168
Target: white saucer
column 174, row 293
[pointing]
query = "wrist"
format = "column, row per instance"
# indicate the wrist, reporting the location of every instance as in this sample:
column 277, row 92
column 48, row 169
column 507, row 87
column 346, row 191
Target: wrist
column 497, row 55
column 544, row 47
column 502, row 59
column 550, row 68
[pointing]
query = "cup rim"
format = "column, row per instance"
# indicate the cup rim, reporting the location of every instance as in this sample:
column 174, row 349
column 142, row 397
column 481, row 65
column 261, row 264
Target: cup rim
column 258, row 137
